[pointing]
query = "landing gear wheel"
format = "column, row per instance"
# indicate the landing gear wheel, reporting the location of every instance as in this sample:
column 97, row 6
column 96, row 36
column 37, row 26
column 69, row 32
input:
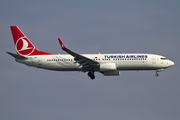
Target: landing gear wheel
column 91, row 75
column 156, row 74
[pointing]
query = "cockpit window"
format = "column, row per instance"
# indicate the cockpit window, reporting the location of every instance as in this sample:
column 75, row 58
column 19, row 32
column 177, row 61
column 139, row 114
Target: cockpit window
column 163, row 58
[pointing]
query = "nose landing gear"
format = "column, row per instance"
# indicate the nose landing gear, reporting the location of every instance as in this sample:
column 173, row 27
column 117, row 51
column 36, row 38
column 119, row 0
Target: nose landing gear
column 159, row 70
column 156, row 74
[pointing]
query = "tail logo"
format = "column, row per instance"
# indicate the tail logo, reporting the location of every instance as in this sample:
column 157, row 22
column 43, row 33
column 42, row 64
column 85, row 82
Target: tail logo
column 24, row 47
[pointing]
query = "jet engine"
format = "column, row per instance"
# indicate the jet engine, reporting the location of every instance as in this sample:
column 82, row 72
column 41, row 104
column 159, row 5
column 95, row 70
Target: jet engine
column 111, row 73
column 107, row 67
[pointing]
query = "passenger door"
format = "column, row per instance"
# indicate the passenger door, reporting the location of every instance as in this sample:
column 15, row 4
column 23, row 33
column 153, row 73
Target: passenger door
column 153, row 59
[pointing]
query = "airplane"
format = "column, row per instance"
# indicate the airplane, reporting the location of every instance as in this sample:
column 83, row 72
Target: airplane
column 107, row 64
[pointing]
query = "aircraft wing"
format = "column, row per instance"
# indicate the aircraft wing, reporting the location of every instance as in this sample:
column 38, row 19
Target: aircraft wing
column 85, row 63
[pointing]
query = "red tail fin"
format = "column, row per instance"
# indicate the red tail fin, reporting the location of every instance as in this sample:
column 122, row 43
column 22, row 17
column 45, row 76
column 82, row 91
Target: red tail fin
column 23, row 46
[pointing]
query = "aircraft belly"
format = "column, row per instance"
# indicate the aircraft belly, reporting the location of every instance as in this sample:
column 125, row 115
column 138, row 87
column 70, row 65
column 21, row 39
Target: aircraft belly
column 61, row 66
column 137, row 66
column 133, row 66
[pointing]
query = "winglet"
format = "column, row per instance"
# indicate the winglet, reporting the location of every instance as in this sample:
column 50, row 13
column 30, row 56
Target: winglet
column 62, row 45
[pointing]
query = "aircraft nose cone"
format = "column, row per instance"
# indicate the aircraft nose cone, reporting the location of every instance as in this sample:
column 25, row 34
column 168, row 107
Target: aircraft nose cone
column 171, row 63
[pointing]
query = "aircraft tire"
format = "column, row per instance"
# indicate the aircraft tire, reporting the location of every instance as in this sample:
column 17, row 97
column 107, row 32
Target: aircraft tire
column 156, row 74
column 91, row 75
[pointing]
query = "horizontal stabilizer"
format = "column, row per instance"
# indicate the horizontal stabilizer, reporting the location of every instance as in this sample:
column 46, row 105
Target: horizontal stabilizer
column 17, row 56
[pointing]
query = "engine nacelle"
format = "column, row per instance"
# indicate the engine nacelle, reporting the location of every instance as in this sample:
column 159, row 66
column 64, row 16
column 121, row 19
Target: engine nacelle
column 107, row 67
column 111, row 73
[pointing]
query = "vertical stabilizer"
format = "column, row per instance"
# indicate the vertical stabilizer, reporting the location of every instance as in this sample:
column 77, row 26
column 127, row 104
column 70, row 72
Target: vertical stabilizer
column 23, row 46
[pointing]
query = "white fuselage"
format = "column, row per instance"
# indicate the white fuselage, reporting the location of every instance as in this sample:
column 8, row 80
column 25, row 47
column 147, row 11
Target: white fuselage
column 107, row 64
column 65, row 62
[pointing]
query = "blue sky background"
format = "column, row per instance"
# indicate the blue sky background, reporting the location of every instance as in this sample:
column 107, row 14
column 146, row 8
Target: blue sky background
column 106, row 26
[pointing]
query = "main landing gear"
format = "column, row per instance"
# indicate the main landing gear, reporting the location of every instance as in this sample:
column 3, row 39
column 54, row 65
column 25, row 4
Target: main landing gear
column 91, row 74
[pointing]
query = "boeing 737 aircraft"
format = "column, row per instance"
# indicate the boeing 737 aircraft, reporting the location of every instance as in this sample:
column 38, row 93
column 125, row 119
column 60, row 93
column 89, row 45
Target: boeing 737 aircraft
column 107, row 64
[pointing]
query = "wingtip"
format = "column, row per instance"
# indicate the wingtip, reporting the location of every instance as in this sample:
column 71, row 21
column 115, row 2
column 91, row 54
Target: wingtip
column 62, row 45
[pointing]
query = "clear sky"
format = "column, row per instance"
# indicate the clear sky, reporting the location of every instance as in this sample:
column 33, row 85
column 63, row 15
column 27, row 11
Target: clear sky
column 105, row 26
